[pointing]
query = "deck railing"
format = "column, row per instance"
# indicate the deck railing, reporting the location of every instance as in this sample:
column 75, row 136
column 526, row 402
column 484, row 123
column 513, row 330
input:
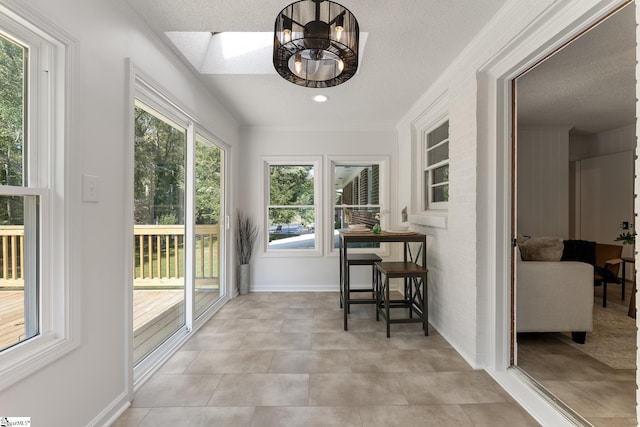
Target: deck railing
column 12, row 247
column 158, row 254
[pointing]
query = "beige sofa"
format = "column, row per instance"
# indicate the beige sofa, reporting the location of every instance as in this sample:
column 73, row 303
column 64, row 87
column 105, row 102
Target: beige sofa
column 554, row 296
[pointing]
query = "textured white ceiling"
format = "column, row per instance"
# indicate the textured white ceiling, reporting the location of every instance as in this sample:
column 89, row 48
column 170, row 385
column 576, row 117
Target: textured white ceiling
column 590, row 84
column 409, row 44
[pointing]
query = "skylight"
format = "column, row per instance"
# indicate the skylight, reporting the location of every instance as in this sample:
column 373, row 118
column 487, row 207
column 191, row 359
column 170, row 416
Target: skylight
column 230, row 52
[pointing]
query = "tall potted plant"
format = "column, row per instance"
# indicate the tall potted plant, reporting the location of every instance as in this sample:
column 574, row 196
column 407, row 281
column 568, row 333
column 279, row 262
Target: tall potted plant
column 246, row 235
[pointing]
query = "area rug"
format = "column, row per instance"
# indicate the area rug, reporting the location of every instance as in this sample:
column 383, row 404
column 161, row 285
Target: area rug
column 613, row 339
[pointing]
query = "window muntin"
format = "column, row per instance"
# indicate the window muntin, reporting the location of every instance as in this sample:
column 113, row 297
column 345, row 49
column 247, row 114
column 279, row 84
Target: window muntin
column 292, row 212
column 436, row 167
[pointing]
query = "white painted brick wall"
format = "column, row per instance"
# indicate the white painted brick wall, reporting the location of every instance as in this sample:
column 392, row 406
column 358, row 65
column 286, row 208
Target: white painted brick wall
column 454, row 278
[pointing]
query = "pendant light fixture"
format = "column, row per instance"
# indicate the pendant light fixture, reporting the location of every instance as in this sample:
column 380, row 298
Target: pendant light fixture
column 316, row 43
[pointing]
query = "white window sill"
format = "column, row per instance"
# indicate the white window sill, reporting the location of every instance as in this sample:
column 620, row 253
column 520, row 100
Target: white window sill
column 24, row 359
column 436, row 219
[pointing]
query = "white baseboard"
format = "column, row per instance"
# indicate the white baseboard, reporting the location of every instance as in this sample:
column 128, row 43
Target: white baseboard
column 295, row 288
column 111, row 413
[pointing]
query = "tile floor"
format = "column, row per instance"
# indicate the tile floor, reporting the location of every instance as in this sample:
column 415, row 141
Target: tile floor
column 283, row 359
column 606, row 397
column 603, row 395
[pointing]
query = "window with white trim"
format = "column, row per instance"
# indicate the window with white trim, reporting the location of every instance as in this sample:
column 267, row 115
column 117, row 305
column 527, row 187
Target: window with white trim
column 292, row 208
column 38, row 306
column 435, row 150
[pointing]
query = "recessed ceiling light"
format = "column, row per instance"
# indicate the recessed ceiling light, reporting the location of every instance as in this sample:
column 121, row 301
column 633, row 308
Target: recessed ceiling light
column 320, row 98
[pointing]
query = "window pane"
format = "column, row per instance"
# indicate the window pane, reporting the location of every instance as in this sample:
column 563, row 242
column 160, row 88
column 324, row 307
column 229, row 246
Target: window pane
column 438, row 154
column 292, row 228
column 438, row 135
column 291, row 214
column 12, row 110
column 441, row 193
column 357, row 184
column 208, row 202
column 159, row 231
column 290, row 185
column 441, row 174
column 18, row 269
column 435, row 179
column 344, row 216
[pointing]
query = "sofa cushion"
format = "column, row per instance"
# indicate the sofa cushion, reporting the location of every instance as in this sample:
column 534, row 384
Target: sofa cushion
column 542, row 249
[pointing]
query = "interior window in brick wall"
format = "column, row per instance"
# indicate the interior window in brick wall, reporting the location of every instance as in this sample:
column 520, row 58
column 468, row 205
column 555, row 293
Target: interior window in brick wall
column 436, row 167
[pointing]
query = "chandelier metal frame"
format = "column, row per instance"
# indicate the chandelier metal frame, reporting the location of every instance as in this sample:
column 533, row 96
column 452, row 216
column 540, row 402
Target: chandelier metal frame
column 316, row 43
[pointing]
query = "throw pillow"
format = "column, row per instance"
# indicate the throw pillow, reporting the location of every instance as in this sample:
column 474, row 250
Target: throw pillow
column 542, row 249
column 522, row 238
column 579, row 250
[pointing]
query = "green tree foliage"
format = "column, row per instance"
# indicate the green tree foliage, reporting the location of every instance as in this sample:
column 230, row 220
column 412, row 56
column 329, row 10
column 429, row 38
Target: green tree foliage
column 12, row 89
column 291, row 186
column 159, row 170
column 208, row 183
column 160, row 174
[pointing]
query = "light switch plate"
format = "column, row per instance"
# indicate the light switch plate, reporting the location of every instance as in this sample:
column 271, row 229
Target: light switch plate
column 90, row 188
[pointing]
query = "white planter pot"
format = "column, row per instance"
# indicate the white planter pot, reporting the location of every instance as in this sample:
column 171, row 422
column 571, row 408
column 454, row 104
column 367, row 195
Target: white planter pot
column 244, row 279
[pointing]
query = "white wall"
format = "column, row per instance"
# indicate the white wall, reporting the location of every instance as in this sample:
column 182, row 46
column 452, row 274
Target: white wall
column 302, row 273
column 84, row 386
column 603, row 162
column 616, row 140
column 451, row 251
column 606, row 196
column 607, row 142
column 543, row 181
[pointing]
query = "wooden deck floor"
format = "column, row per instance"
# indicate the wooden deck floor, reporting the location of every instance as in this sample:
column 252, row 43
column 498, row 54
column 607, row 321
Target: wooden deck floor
column 11, row 318
column 148, row 305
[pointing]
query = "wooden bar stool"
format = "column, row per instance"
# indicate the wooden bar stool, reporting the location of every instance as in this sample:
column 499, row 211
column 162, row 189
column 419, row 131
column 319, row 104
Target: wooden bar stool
column 415, row 293
column 346, row 299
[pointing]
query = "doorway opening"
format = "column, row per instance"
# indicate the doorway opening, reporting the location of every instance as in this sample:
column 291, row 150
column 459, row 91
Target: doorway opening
column 575, row 138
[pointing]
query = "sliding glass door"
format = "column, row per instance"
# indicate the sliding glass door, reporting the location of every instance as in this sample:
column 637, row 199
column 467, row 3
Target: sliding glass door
column 209, row 197
column 159, row 230
column 178, row 224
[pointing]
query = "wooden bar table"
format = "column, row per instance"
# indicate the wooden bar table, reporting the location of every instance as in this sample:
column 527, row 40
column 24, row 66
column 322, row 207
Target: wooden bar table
column 350, row 237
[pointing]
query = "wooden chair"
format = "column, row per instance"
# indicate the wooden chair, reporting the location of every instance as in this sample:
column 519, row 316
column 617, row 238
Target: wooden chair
column 608, row 260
